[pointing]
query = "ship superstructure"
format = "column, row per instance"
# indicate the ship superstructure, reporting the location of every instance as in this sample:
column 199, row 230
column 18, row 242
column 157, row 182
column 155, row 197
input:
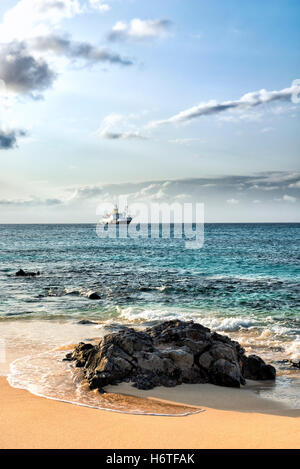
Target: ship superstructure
column 117, row 218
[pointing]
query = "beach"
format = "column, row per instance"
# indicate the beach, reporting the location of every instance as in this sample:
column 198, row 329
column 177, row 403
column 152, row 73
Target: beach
column 248, row 295
column 28, row 421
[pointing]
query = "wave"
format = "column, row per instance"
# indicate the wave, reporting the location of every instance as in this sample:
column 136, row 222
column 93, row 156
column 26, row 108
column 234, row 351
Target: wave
column 47, row 375
column 293, row 349
column 135, row 314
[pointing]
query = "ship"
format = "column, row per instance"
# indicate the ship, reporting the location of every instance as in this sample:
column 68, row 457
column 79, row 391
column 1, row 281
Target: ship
column 117, row 218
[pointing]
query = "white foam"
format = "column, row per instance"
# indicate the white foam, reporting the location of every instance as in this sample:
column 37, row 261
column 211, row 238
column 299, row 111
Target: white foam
column 231, row 324
column 135, row 314
column 46, row 375
column 293, row 349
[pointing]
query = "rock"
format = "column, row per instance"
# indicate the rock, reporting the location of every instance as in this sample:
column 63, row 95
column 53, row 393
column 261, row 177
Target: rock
column 205, row 360
column 22, row 273
column 223, row 351
column 226, row 373
column 93, row 296
column 295, row 363
column 168, row 354
column 86, row 322
column 253, row 367
column 181, row 357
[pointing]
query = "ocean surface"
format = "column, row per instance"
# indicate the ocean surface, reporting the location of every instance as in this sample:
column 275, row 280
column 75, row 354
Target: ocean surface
column 244, row 282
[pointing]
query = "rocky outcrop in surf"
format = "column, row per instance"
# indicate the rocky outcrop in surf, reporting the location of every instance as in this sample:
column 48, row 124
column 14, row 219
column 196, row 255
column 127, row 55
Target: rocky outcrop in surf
column 168, row 354
column 22, row 273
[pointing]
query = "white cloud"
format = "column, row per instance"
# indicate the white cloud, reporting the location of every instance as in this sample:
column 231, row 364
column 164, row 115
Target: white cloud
column 137, row 30
column 120, row 127
column 295, row 185
column 29, row 18
column 267, row 129
column 246, row 102
column 100, row 5
column 287, row 198
column 233, row 201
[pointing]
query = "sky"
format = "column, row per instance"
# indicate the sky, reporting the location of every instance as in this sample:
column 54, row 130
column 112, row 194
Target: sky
column 161, row 101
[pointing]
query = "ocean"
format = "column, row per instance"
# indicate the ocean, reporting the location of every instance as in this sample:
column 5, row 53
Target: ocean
column 244, row 282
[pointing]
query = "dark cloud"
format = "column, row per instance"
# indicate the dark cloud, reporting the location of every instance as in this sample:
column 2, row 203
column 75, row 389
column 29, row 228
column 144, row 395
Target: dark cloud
column 263, row 186
column 8, row 139
column 106, row 134
column 22, row 72
column 63, row 45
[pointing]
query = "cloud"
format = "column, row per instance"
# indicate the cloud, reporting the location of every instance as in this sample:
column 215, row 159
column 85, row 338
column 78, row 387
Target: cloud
column 30, row 202
column 86, row 192
column 119, row 127
column 21, row 72
column 210, row 189
column 186, row 141
column 295, row 185
column 222, row 188
column 100, row 5
column 267, row 129
column 63, row 45
column 233, row 201
column 8, row 138
column 80, row 202
column 120, row 136
column 246, row 102
column 139, row 30
column 287, row 198
column 31, row 17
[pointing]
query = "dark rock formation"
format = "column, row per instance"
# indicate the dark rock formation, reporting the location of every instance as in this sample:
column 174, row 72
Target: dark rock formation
column 22, row 273
column 171, row 353
column 93, row 296
column 254, row 367
column 86, row 322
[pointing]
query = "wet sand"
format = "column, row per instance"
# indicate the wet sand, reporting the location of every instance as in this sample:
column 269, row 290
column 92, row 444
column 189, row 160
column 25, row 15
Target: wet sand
column 28, row 421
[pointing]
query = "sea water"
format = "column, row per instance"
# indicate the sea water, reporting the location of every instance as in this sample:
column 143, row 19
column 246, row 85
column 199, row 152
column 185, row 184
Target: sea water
column 244, row 282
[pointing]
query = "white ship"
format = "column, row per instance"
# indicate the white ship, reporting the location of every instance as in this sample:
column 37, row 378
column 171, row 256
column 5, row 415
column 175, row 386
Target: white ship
column 117, row 218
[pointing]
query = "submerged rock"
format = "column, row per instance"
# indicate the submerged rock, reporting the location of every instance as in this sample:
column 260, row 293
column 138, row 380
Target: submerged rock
column 93, row 296
column 86, row 322
column 295, row 363
column 22, row 273
column 168, row 354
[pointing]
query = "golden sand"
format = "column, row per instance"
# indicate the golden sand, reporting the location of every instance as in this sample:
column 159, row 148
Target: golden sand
column 27, row 421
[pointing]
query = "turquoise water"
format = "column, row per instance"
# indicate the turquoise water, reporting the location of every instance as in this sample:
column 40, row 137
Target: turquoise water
column 245, row 270
column 244, row 282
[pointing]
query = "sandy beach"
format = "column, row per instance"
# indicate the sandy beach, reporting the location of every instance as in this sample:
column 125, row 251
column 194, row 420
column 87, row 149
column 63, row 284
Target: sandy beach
column 28, row 421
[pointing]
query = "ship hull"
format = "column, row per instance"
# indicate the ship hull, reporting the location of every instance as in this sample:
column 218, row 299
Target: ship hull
column 118, row 222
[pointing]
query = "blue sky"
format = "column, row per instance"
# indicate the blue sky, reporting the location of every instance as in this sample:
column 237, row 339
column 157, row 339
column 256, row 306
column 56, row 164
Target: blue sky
column 108, row 97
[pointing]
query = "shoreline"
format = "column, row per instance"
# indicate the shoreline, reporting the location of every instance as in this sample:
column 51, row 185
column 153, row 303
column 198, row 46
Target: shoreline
column 28, row 421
